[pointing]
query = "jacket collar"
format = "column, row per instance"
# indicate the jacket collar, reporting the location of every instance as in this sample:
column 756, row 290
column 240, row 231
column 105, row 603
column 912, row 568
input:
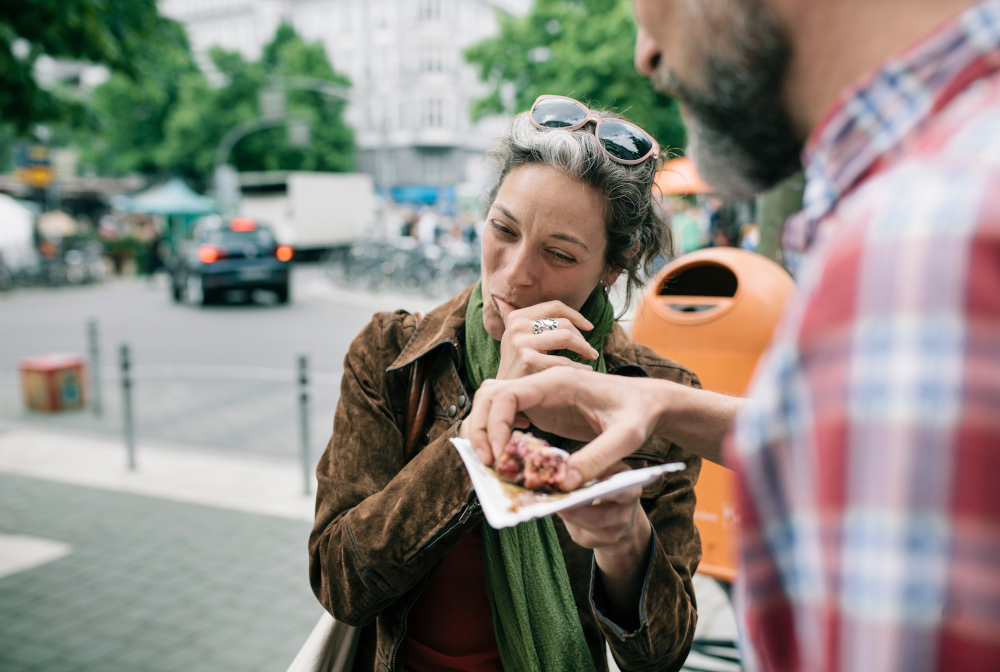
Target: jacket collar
column 445, row 326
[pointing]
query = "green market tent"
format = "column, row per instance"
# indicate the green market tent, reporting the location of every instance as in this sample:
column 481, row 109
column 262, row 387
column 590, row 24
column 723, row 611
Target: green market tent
column 175, row 201
column 172, row 198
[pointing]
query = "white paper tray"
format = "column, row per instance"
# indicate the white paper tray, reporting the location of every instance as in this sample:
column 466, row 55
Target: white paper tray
column 498, row 497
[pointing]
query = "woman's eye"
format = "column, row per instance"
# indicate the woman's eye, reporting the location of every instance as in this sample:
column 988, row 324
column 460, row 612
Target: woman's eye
column 501, row 229
column 562, row 257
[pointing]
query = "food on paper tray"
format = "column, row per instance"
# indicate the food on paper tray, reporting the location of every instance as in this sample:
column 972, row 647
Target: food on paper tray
column 506, row 504
column 532, row 463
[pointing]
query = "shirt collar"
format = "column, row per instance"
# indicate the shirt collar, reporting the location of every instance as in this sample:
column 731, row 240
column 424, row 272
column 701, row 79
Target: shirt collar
column 879, row 112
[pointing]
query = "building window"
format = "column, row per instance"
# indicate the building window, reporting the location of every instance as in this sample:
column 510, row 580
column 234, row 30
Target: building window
column 429, row 10
column 432, row 168
column 432, row 113
column 432, row 59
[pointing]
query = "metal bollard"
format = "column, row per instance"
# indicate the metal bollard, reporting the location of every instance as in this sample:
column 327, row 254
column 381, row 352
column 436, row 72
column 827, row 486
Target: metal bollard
column 95, row 368
column 128, row 425
column 304, row 421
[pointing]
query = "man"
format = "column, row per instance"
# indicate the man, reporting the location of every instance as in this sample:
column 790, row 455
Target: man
column 867, row 454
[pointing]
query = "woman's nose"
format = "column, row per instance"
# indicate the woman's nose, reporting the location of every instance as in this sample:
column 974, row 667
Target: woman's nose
column 647, row 53
column 519, row 269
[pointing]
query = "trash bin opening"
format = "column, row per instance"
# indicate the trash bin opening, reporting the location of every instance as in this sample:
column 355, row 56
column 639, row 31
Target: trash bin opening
column 699, row 288
column 701, row 280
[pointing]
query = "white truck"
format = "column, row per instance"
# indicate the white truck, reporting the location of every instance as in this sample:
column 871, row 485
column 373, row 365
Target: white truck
column 312, row 212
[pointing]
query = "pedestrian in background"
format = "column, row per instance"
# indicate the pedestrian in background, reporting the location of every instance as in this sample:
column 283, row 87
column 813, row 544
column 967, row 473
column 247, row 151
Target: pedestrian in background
column 866, row 455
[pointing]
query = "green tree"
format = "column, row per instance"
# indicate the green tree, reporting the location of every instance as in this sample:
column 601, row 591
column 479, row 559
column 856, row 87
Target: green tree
column 125, row 122
column 578, row 48
column 204, row 114
column 116, row 33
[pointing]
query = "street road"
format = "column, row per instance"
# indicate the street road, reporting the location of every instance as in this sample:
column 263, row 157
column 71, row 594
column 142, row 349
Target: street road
column 218, row 377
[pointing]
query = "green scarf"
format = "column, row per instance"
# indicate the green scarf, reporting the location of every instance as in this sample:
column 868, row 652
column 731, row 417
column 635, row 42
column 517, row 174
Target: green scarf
column 534, row 614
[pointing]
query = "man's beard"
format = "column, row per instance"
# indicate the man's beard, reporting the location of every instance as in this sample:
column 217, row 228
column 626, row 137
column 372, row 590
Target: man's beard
column 739, row 134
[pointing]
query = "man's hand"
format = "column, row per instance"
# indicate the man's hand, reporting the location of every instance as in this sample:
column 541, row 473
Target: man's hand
column 617, row 414
column 610, row 411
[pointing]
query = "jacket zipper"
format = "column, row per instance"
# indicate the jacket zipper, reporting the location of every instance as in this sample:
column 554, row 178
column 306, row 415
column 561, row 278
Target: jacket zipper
column 472, row 508
column 406, row 616
column 475, row 506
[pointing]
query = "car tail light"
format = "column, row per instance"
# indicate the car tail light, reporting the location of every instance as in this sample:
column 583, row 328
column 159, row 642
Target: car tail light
column 242, row 224
column 284, row 253
column 209, row 253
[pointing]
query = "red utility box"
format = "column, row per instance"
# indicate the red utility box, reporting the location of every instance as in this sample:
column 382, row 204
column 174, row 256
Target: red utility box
column 53, row 382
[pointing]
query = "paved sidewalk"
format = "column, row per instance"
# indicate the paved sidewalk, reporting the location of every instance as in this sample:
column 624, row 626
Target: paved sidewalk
column 196, row 561
column 99, row 577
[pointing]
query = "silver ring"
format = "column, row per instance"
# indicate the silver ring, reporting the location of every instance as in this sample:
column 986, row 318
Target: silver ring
column 544, row 324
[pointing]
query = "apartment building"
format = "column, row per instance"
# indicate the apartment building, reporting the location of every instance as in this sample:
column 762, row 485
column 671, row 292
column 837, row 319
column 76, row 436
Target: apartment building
column 412, row 89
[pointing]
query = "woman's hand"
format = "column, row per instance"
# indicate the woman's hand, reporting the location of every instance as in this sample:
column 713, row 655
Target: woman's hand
column 618, row 531
column 523, row 352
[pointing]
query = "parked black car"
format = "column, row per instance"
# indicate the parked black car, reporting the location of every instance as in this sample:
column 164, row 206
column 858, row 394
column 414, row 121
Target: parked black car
column 239, row 254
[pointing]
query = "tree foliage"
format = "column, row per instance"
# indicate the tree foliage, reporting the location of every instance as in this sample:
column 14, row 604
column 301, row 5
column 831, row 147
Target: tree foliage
column 171, row 118
column 578, row 48
column 125, row 122
column 205, row 113
column 116, row 33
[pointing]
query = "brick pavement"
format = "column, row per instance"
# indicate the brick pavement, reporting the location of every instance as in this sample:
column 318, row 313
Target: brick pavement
column 150, row 584
column 196, row 561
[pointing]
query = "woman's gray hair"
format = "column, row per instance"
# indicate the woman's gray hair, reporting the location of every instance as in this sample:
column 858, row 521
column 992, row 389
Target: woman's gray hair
column 637, row 233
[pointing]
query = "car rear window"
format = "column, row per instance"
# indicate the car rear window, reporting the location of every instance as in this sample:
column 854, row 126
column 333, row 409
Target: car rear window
column 226, row 238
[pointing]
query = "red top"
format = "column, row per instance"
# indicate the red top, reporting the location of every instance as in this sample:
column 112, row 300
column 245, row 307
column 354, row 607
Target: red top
column 451, row 624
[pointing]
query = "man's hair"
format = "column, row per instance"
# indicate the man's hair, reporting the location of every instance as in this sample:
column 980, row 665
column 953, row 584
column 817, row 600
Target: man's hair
column 636, row 231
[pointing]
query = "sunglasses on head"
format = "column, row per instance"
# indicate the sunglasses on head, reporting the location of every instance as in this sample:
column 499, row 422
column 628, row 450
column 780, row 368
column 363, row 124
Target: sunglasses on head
column 622, row 141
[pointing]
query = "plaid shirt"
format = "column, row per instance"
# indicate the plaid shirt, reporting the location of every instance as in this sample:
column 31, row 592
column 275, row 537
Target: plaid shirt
column 868, row 460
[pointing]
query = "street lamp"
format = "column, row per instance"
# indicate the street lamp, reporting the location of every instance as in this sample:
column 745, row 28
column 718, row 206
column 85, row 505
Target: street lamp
column 273, row 101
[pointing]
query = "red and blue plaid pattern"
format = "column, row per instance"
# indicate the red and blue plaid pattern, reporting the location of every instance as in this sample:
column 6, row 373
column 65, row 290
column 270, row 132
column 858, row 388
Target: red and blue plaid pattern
column 868, row 460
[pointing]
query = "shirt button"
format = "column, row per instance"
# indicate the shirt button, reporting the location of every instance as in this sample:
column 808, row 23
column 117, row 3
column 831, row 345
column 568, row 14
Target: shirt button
column 427, row 439
column 452, row 411
column 461, row 401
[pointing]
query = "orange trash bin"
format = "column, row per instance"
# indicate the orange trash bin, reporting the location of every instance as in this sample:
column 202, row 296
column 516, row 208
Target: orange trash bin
column 53, row 382
column 714, row 311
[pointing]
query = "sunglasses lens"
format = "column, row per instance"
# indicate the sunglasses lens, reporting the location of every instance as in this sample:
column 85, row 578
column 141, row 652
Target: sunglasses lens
column 623, row 140
column 558, row 113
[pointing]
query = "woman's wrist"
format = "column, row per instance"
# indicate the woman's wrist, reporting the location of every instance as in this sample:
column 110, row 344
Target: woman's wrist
column 622, row 569
column 632, row 549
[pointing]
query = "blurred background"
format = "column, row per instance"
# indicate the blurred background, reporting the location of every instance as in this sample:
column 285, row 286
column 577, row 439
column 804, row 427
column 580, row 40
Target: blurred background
column 201, row 203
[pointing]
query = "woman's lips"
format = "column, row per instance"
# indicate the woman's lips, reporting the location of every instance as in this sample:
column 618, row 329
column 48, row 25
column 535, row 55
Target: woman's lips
column 503, row 307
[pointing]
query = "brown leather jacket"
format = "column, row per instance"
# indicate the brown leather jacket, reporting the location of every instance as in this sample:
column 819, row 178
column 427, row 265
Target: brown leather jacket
column 383, row 525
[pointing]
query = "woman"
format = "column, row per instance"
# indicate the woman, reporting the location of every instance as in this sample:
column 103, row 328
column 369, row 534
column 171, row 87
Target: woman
column 400, row 545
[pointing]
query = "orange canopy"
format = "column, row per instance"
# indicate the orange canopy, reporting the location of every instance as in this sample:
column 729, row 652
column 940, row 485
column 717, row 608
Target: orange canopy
column 679, row 176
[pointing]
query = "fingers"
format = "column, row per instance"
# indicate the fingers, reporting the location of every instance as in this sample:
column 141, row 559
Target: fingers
column 543, row 362
column 495, row 412
column 562, row 339
column 551, row 400
column 556, row 309
column 604, row 522
column 616, row 442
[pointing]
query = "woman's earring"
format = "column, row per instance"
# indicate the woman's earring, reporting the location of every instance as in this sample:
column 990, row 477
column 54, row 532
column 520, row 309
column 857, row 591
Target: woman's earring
column 607, row 289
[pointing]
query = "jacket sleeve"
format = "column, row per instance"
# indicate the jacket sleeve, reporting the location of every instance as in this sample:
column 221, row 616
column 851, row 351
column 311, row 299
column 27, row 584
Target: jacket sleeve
column 667, row 608
column 381, row 524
